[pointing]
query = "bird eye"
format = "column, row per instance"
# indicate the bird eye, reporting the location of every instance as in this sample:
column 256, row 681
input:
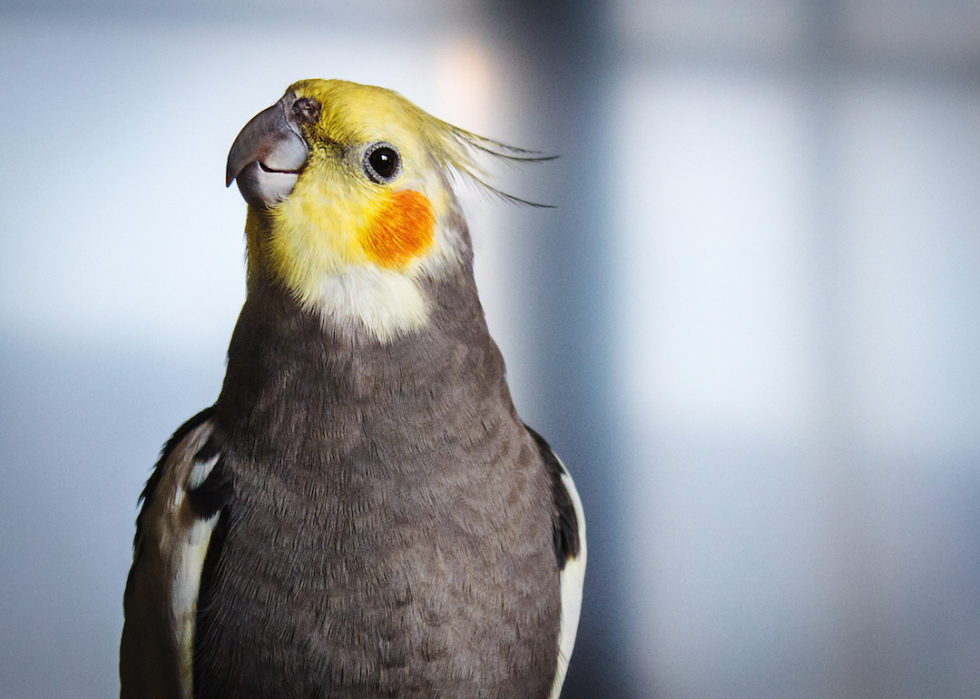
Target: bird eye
column 381, row 163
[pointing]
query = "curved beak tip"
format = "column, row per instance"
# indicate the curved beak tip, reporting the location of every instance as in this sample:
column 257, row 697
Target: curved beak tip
column 269, row 141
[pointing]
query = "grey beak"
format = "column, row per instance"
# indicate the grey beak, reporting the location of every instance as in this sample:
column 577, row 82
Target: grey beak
column 270, row 152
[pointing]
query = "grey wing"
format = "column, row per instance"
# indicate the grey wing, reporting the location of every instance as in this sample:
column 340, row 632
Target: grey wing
column 572, row 580
column 181, row 506
column 571, row 552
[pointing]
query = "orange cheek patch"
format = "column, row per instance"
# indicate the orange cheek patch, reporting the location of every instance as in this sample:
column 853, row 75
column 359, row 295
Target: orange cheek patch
column 401, row 230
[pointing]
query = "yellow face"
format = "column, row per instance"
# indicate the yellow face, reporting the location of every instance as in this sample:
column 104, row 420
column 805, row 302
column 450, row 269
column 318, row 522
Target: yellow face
column 337, row 214
column 368, row 213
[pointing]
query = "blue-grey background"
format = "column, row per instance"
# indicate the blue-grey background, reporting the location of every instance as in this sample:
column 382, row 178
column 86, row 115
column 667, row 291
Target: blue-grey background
column 751, row 326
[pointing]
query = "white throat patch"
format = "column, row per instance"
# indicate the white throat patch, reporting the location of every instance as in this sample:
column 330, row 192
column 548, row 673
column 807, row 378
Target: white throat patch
column 386, row 302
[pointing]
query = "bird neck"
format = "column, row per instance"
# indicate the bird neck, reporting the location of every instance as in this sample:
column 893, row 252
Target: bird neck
column 259, row 263
column 284, row 361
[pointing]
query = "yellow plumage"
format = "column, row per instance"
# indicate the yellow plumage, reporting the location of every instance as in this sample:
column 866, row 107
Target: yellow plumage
column 339, row 232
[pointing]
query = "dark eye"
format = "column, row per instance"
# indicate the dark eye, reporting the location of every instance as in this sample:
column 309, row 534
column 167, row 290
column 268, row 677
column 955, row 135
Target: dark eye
column 381, row 163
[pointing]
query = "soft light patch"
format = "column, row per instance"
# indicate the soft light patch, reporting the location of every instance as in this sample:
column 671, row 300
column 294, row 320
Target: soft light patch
column 401, row 230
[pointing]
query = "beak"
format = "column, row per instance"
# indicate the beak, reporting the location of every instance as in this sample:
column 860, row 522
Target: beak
column 270, row 152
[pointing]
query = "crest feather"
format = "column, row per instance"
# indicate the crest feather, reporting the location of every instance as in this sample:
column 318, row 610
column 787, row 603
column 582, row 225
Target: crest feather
column 459, row 151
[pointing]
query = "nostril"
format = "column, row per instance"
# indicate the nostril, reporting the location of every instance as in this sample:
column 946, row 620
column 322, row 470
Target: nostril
column 306, row 110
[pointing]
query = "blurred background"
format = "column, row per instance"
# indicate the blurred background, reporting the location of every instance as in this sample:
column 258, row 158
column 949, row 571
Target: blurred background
column 751, row 326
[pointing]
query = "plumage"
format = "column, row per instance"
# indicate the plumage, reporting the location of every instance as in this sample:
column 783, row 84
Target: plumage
column 362, row 513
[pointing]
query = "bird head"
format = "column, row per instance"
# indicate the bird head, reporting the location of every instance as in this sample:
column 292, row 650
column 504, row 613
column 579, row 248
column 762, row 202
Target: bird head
column 350, row 201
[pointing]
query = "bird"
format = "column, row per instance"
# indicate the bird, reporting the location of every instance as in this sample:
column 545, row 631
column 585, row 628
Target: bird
column 361, row 513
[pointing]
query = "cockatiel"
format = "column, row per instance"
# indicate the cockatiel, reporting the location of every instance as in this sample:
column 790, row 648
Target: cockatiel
column 362, row 513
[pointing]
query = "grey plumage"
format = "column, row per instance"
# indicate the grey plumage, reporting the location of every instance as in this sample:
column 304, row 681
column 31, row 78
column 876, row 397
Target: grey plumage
column 380, row 522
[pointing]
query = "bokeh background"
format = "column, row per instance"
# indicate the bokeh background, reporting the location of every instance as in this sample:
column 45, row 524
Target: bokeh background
column 751, row 326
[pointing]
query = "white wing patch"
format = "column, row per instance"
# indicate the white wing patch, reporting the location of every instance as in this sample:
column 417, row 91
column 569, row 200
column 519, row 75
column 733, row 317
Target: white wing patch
column 170, row 550
column 571, row 579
